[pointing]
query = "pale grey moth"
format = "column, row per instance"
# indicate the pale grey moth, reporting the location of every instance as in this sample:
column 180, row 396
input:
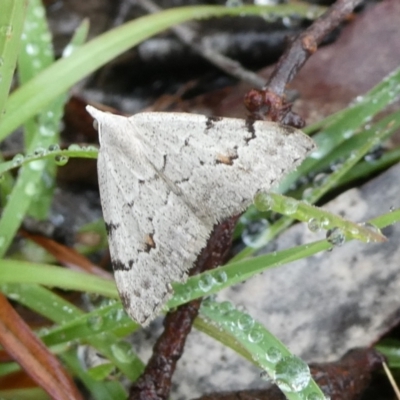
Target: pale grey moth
column 166, row 178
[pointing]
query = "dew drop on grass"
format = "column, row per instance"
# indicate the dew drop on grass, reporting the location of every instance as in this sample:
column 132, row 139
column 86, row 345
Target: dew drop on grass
column 220, row 277
column 263, row 201
column 265, row 376
column 273, row 355
column 39, row 151
column 245, row 322
column 74, row 147
column 6, row 30
column 307, row 194
column 335, row 236
column 253, row 230
column 324, row 221
column 314, row 225
column 320, row 179
column 17, row 160
column 54, row 147
column 292, row 374
column 290, row 206
column 255, row 336
column 122, row 351
column 37, row 165
column 206, row 282
column 30, row 189
column 95, row 322
column 61, row 160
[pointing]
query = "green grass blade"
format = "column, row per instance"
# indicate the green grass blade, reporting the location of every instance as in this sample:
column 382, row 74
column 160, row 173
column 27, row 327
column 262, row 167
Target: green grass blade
column 30, row 99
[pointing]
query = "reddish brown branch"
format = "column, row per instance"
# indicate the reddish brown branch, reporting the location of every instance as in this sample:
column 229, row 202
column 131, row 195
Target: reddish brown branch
column 269, row 102
column 155, row 382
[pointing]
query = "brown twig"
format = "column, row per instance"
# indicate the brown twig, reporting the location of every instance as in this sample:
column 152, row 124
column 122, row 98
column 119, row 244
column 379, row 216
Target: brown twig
column 155, row 382
column 269, row 102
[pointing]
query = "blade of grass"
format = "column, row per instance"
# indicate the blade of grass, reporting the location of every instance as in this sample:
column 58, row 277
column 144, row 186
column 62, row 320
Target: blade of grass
column 30, row 99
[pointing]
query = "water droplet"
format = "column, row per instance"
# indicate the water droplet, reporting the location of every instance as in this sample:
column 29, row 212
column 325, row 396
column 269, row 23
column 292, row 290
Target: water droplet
column 37, row 165
column 314, row 225
column 307, row 194
column 265, row 377
column 18, row 159
column 220, row 277
column 335, row 236
column 68, row 50
column 54, row 147
column 92, row 148
column 6, row 30
column 348, row 134
column 32, row 49
column 95, row 322
column 226, row 307
column 30, row 189
column 122, row 351
column 320, row 179
column 206, row 282
column 324, row 221
column 263, row 201
column 255, row 336
column 38, row 12
column 273, row 355
column 253, row 230
column 40, row 151
column 61, row 160
column 292, row 374
column 245, row 322
column 46, row 131
column 74, row 147
column 290, row 206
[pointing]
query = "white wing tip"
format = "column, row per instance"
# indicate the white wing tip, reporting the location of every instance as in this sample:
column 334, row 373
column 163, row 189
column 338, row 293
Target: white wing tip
column 94, row 112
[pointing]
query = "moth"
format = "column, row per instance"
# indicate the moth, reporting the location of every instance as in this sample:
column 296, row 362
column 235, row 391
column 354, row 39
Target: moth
column 167, row 178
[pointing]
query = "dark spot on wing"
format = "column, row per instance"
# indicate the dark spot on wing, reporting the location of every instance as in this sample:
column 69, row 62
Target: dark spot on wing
column 186, row 142
column 136, row 293
column 250, row 129
column 130, row 263
column 201, row 162
column 156, row 305
column 146, row 284
column 118, row 265
column 141, row 181
column 131, row 204
column 144, row 319
column 210, row 122
column 287, row 130
column 164, row 162
column 111, row 227
column 125, row 299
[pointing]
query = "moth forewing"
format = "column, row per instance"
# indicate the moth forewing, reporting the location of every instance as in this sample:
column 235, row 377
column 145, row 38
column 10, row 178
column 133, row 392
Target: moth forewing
column 166, row 178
